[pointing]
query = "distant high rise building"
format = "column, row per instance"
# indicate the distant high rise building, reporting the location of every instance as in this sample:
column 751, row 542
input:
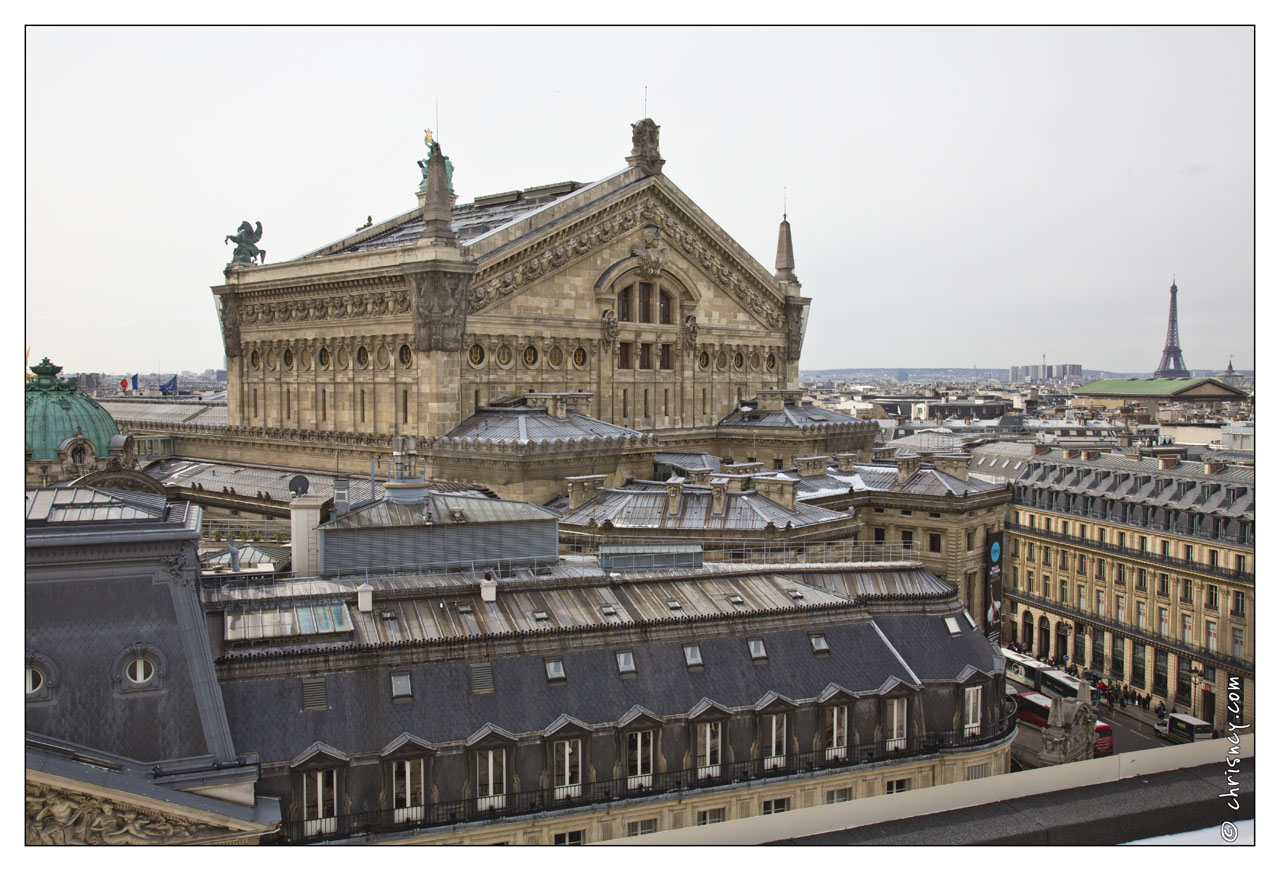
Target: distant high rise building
column 1171, row 362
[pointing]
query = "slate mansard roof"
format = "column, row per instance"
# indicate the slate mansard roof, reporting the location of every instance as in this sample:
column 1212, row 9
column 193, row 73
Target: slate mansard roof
column 789, row 416
column 1227, row 492
column 867, row 477
column 870, row 653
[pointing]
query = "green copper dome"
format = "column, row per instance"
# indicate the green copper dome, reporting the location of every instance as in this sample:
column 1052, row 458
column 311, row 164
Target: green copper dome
column 56, row 410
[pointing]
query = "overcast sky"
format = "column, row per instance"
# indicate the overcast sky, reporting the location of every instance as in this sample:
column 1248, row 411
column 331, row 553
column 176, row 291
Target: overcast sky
column 958, row 196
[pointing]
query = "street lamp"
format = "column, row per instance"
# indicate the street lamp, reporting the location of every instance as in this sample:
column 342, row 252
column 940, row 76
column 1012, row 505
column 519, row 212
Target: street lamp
column 1197, row 676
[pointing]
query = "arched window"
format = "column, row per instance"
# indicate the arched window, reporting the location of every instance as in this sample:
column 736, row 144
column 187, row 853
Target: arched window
column 646, row 303
column 666, row 306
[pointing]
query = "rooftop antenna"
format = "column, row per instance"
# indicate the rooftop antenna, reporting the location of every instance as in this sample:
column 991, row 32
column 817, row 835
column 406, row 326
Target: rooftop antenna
column 784, row 202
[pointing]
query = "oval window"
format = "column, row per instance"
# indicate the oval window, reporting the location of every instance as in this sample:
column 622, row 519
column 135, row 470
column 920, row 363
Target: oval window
column 255, row 360
column 580, row 357
column 343, row 358
column 323, row 357
column 362, row 356
column 476, row 355
column 35, row 680
column 704, row 359
column 770, row 362
column 530, row 356
column 139, row 671
column 384, row 357
column 555, row 357
column 406, row 355
column 755, row 360
column 272, row 360
column 722, row 360
column 737, row 360
column 504, row 355
column 304, row 358
column 288, row 358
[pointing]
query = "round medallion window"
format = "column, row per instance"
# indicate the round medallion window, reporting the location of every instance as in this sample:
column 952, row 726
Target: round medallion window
column 139, row 671
column 343, row 358
column 476, row 355
column 530, row 356
column 770, row 362
column 737, row 360
column 755, row 360
column 323, row 357
column 255, row 360
column 504, row 355
column 304, row 358
column 35, row 680
column 272, row 360
column 384, row 356
column 704, row 359
column 580, row 357
column 406, row 355
column 555, row 356
column 722, row 360
column 362, row 356
column 288, row 358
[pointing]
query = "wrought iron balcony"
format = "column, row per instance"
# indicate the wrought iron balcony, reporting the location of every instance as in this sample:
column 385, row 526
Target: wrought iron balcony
column 1133, row 553
column 423, row 818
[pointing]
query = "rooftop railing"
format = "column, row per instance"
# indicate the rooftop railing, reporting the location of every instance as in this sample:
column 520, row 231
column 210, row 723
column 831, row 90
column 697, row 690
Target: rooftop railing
column 403, row 820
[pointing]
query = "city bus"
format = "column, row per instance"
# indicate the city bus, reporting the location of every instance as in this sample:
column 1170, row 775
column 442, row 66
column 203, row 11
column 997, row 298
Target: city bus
column 1184, row 729
column 1022, row 669
column 1043, row 678
column 1059, row 683
column 1033, row 709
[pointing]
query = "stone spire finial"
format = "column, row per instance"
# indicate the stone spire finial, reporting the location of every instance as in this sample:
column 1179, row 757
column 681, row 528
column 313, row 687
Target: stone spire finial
column 786, row 262
column 437, row 201
column 644, row 147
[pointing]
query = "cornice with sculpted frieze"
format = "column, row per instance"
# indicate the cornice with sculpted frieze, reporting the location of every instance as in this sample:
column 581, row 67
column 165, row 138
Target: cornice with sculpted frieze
column 495, row 282
column 377, row 304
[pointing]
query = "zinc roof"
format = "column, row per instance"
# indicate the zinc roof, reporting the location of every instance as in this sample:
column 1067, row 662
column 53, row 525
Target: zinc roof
column 437, row 508
column 526, row 425
column 643, row 505
column 212, row 413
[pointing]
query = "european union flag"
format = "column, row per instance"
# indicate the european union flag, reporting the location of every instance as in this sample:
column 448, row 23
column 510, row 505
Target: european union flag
column 135, row 383
column 170, row 386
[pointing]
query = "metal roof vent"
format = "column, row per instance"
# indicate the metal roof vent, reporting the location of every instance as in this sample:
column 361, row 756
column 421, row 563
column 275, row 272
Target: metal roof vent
column 315, row 694
column 482, row 677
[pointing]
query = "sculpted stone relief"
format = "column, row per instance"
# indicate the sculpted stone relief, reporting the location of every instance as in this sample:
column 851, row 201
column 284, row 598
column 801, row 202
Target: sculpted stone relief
column 56, row 817
column 439, row 302
column 332, row 308
column 553, row 254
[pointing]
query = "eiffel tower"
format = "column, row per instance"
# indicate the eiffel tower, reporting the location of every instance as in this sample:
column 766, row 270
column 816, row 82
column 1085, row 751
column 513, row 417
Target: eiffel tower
column 1171, row 363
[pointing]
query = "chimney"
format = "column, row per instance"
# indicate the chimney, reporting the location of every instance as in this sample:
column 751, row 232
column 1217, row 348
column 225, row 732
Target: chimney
column 742, row 468
column 779, row 490
column 737, row 483
column 364, row 598
column 844, row 462
column 675, row 487
column 809, row 467
column 907, row 466
column 341, row 496
column 1037, row 450
column 582, row 488
column 1168, row 461
column 956, row 467
column 488, row 588
column 719, row 489
column 1133, row 455
column 1090, row 455
column 698, row 476
column 1070, row 453
column 1213, row 467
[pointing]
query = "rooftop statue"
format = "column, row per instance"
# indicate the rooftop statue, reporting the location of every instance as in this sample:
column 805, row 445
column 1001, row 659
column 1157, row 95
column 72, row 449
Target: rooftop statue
column 245, row 238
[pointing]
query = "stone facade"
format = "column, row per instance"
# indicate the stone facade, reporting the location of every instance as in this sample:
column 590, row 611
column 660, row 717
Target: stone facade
column 623, row 289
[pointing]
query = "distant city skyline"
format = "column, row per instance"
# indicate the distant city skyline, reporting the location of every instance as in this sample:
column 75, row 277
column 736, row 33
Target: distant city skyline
column 984, row 195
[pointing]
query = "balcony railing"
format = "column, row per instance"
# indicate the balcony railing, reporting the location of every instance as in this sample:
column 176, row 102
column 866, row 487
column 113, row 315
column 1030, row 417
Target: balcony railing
column 1133, row 553
column 471, row 810
column 1204, row 654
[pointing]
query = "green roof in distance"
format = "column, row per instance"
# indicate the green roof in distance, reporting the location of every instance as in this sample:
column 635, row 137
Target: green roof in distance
column 57, row 410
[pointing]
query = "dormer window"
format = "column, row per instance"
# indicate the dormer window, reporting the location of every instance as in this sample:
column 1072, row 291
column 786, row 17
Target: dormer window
column 756, row 646
column 692, row 655
column 953, row 625
column 819, row 643
column 555, row 669
column 626, row 662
